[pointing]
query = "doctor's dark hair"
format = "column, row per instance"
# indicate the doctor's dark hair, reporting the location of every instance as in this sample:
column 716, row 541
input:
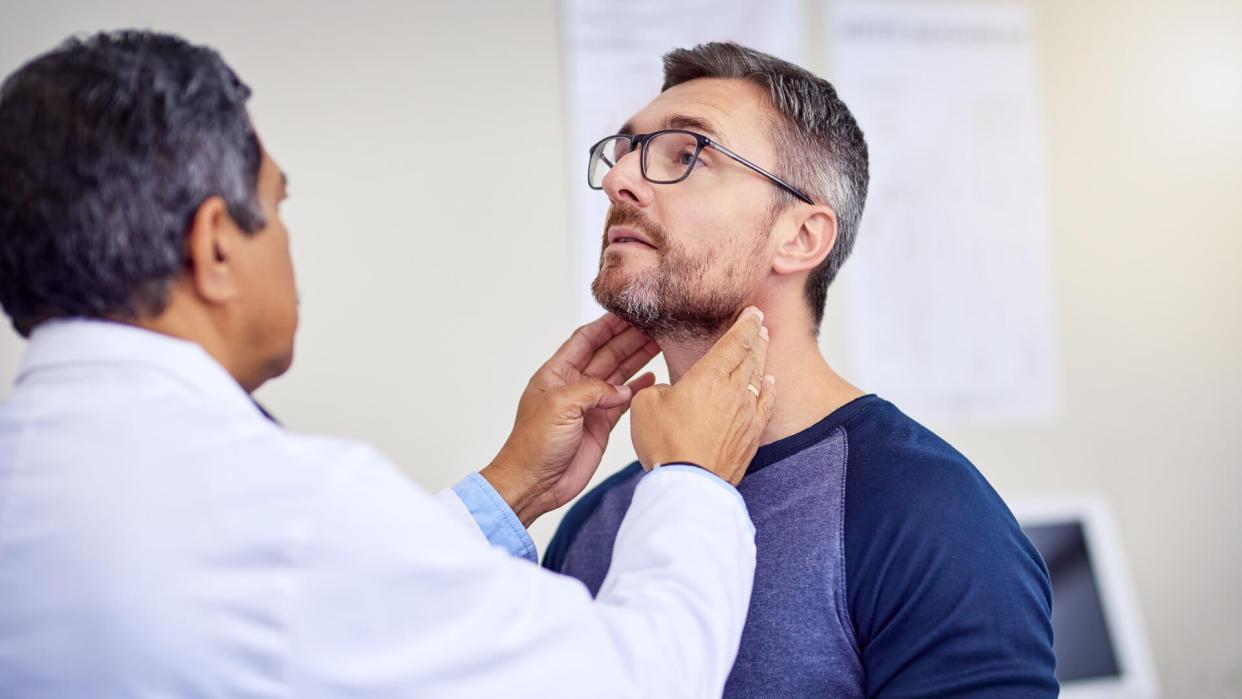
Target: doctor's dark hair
column 820, row 147
column 108, row 146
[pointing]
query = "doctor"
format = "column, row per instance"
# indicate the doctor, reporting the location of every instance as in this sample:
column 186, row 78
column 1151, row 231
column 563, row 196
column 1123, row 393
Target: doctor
column 161, row 537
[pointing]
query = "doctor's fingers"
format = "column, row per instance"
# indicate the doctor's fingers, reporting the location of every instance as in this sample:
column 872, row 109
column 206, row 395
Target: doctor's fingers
column 623, row 355
column 731, row 350
column 583, row 344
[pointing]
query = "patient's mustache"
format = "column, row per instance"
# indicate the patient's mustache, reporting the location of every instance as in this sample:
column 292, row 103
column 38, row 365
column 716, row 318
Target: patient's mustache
column 630, row 215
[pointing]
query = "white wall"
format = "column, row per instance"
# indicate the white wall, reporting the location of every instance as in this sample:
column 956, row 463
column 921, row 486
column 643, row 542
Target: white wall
column 424, row 142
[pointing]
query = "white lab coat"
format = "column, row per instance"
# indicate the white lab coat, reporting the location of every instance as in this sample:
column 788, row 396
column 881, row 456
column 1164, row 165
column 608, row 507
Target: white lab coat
column 160, row 538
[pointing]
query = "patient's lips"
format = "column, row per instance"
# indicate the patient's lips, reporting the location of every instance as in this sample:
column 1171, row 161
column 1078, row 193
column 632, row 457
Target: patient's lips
column 623, row 236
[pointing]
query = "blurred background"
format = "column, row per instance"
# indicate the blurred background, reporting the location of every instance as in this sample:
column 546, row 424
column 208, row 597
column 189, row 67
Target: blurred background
column 434, row 170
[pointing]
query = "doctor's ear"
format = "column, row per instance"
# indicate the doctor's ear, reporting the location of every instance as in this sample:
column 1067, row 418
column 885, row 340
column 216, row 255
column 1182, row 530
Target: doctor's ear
column 213, row 244
column 812, row 238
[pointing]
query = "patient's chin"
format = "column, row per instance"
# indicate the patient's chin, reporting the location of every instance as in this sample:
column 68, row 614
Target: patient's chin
column 633, row 298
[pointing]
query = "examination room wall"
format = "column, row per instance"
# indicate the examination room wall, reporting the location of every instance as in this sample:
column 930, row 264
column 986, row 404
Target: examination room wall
column 425, row 148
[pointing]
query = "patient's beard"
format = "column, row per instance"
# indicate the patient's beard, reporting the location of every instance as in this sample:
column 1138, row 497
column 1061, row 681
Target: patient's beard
column 672, row 300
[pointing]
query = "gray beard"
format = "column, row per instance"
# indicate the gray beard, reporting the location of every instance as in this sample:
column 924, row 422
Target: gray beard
column 639, row 302
column 671, row 302
column 665, row 306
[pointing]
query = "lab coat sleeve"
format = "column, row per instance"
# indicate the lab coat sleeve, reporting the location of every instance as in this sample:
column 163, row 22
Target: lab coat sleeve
column 397, row 599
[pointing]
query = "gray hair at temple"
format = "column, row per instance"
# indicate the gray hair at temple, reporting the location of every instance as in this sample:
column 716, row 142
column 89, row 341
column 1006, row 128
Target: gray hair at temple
column 820, row 148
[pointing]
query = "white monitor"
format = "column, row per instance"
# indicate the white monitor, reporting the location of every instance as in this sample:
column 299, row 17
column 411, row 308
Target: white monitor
column 1099, row 637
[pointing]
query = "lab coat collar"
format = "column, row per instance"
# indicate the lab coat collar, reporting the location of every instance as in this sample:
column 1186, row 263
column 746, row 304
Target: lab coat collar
column 104, row 344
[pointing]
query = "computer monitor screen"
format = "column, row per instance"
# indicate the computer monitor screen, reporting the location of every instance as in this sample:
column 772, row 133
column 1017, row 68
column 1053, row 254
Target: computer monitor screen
column 1098, row 632
column 1084, row 647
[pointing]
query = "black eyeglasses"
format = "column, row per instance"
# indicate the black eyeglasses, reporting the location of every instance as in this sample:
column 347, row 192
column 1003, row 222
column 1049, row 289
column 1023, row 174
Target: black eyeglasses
column 667, row 157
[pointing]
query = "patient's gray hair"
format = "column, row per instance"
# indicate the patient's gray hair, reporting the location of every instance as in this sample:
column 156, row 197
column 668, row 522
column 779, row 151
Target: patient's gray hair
column 820, row 148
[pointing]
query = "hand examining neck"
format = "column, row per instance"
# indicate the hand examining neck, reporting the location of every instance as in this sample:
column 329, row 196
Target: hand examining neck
column 566, row 415
column 810, row 389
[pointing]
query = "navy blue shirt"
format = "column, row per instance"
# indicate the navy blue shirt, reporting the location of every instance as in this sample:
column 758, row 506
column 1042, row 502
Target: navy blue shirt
column 887, row 566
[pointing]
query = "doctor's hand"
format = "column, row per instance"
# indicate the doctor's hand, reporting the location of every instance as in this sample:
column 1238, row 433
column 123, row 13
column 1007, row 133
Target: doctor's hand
column 566, row 414
column 715, row 415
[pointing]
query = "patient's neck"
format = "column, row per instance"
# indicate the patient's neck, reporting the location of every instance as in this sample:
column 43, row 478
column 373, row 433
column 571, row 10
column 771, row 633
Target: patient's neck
column 807, row 387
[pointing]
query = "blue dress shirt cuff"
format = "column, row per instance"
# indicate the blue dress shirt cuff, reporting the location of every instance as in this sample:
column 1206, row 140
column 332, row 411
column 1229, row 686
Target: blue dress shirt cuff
column 494, row 517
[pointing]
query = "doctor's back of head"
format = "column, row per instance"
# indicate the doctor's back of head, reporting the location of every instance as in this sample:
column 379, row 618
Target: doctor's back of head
column 136, row 190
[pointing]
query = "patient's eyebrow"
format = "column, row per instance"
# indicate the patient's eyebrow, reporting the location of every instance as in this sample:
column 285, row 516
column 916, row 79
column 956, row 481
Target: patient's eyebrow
column 691, row 123
column 680, row 121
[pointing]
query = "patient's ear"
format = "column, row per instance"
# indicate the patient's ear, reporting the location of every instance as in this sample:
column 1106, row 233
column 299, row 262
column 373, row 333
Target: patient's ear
column 811, row 238
column 213, row 244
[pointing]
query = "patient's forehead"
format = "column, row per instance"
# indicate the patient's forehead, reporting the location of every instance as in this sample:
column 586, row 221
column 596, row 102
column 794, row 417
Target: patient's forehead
column 736, row 111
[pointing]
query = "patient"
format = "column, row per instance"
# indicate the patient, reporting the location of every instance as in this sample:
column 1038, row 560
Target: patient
column 887, row 565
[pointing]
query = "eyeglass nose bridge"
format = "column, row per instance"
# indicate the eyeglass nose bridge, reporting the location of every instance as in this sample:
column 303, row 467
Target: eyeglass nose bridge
column 599, row 153
column 600, row 148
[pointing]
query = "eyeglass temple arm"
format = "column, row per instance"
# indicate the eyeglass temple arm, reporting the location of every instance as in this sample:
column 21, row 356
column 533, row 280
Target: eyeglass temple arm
column 780, row 182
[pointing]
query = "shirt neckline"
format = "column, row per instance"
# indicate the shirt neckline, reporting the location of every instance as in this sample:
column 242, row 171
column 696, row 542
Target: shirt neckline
column 786, row 447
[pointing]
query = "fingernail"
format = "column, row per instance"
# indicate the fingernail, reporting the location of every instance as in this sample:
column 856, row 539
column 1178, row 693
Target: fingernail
column 770, row 379
column 757, row 312
column 763, row 331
